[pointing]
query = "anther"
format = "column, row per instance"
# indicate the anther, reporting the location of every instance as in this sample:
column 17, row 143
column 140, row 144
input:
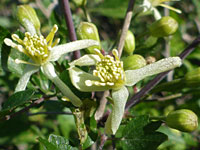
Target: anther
column 88, row 82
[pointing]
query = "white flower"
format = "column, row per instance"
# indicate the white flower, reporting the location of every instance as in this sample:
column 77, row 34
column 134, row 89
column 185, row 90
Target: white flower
column 109, row 74
column 149, row 6
column 42, row 51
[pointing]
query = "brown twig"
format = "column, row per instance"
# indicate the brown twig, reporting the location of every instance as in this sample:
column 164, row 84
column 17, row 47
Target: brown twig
column 35, row 103
column 46, row 11
column 103, row 140
column 70, row 25
column 126, row 25
column 50, row 113
column 148, row 87
column 100, row 111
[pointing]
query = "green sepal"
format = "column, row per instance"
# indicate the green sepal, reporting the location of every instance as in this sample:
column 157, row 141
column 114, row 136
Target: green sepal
column 78, row 78
column 119, row 101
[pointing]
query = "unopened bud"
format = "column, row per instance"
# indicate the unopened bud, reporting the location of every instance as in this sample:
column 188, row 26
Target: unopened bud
column 129, row 45
column 184, row 120
column 164, row 27
column 134, row 62
column 88, row 30
column 28, row 18
column 192, row 78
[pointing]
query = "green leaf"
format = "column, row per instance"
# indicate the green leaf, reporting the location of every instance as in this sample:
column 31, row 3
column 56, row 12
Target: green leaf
column 60, row 142
column 136, row 138
column 4, row 49
column 18, row 99
column 119, row 101
column 47, row 144
column 112, row 8
column 88, row 142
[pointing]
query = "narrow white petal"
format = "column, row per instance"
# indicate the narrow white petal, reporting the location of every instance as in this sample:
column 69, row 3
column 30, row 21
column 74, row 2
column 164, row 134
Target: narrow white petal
column 59, row 50
column 114, row 119
column 49, row 71
column 23, row 81
column 86, row 60
column 79, row 77
column 134, row 76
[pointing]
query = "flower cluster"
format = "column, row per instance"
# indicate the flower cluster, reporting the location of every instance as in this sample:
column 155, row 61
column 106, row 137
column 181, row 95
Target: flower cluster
column 42, row 51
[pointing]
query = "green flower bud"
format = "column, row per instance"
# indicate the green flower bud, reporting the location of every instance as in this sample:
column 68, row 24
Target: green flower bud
column 192, row 78
column 134, row 62
column 163, row 27
column 129, row 45
column 88, row 30
column 28, row 18
column 80, row 3
column 184, row 120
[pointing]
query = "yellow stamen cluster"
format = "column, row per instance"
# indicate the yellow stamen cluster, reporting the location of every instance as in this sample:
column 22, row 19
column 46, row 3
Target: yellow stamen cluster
column 109, row 70
column 36, row 47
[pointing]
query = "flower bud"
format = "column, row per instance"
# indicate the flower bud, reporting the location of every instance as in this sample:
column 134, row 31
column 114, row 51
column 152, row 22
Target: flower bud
column 134, row 62
column 184, row 120
column 88, row 30
column 28, row 18
column 129, row 45
column 163, row 27
column 80, row 3
column 192, row 78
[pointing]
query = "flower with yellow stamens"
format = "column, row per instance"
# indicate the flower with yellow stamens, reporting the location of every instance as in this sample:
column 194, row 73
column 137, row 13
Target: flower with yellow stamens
column 149, row 6
column 110, row 75
column 42, row 51
column 109, row 70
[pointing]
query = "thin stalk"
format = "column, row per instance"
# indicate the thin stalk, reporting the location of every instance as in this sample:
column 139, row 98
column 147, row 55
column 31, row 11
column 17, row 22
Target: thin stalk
column 49, row 113
column 159, row 118
column 148, row 87
column 70, row 25
column 126, row 25
column 87, row 15
column 25, row 109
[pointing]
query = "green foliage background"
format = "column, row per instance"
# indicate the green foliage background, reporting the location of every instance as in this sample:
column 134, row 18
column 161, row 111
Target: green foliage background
column 28, row 131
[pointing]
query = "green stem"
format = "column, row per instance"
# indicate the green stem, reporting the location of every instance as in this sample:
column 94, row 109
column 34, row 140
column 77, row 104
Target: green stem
column 49, row 71
column 87, row 15
column 159, row 118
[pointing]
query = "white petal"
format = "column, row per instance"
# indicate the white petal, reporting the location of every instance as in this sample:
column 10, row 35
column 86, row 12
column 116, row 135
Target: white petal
column 114, row 119
column 49, row 71
column 86, row 60
column 59, row 50
column 157, row 14
column 134, row 76
column 23, row 81
column 79, row 77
